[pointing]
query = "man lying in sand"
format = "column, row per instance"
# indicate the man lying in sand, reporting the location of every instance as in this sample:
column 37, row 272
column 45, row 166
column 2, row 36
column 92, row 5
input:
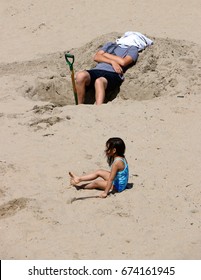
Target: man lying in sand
column 113, row 59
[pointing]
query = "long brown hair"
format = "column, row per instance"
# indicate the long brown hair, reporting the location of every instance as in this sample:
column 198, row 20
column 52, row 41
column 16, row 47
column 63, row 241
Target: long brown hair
column 118, row 144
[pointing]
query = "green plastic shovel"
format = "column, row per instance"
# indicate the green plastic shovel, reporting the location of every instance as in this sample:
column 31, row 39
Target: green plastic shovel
column 70, row 60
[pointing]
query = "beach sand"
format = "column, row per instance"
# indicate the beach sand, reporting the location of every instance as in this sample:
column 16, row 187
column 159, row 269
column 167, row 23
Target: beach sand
column 44, row 135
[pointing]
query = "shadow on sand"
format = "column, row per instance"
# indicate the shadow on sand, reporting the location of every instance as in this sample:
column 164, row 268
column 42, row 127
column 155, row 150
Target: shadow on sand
column 129, row 186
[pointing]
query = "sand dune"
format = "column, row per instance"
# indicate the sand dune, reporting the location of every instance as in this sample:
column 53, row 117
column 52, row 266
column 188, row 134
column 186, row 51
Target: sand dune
column 44, row 135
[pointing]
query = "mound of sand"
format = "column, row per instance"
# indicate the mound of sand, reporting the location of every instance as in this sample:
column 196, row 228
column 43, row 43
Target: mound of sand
column 169, row 67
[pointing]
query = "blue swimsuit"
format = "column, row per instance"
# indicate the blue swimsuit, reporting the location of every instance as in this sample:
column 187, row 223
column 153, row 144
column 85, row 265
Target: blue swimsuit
column 121, row 179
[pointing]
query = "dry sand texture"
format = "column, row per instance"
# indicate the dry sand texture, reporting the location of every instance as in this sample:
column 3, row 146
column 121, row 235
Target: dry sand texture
column 43, row 135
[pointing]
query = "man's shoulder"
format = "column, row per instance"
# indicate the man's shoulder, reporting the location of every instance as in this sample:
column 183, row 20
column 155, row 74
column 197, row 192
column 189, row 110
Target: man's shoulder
column 107, row 45
column 133, row 52
column 133, row 48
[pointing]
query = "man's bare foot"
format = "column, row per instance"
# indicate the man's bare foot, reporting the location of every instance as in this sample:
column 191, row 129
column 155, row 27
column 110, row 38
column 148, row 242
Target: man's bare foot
column 74, row 180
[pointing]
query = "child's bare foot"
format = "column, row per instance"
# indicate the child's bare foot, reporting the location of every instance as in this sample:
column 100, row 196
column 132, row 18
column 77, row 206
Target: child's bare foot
column 74, row 180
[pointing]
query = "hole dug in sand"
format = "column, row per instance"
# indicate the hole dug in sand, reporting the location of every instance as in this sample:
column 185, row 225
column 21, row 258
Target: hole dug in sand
column 53, row 90
column 169, row 67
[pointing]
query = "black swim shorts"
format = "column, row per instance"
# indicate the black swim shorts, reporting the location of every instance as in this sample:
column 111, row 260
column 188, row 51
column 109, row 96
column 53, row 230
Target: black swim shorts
column 114, row 80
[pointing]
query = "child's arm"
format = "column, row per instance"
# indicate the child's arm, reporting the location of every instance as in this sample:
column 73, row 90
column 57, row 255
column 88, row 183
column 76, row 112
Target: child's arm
column 115, row 168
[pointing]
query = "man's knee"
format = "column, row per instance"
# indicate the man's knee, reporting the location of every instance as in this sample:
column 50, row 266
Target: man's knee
column 82, row 77
column 101, row 82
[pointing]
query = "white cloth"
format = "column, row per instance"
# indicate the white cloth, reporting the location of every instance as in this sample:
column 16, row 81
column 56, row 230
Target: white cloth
column 136, row 39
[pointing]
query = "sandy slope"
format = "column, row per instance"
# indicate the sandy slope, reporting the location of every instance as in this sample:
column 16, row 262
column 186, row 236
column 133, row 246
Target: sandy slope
column 41, row 215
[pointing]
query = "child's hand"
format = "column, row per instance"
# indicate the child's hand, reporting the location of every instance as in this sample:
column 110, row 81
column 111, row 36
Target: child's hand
column 103, row 195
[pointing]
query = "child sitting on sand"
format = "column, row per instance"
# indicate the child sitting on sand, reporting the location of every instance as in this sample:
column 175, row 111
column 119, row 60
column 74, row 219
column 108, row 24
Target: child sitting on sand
column 114, row 180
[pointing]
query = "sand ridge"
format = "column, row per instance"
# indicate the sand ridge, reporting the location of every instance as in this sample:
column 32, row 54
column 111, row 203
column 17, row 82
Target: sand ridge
column 44, row 135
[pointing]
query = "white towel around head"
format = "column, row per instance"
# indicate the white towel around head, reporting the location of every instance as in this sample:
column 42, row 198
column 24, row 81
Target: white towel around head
column 136, row 39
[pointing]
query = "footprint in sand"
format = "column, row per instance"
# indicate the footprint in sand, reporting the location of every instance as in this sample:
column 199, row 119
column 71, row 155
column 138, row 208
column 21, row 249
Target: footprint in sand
column 46, row 122
column 12, row 207
column 1, row 193
column 5, row 167
column 43, row 109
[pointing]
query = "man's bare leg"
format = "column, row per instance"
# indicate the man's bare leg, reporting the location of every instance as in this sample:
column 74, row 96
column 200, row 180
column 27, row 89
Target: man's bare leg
column 82, row 80
column 100, row 87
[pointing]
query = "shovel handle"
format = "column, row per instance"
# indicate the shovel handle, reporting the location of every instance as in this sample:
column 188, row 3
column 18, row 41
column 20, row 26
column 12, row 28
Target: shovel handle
column 70, row 60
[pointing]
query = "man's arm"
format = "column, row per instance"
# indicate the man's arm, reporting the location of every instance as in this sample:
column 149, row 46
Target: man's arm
column 125, row 61
column 102, row 56
column 117, row 62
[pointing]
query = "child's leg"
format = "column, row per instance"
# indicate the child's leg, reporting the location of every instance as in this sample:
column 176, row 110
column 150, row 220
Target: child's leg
column 97, row 184
column 104, row 174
